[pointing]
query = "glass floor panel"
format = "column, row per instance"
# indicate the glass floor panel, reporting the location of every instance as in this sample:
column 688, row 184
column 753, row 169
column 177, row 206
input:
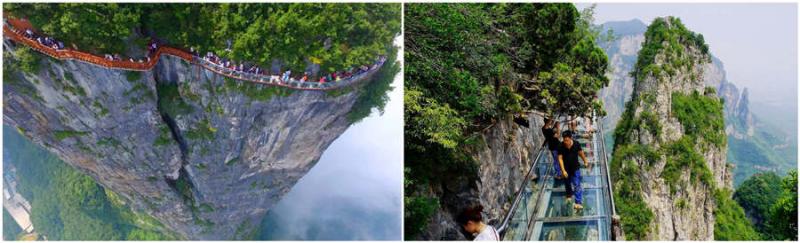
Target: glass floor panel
column 588, row 230
column 558, row 206
column 586, row 182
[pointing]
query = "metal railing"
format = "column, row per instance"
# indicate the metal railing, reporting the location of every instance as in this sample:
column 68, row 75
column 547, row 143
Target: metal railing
column 613, row 221
column 501, row 229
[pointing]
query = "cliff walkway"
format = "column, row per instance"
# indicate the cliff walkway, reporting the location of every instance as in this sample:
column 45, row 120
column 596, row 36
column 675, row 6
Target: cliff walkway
column 14, row 29
column 540, row 211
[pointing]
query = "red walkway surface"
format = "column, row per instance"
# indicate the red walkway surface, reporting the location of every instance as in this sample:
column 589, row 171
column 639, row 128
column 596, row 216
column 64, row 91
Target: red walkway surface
column 20, row 25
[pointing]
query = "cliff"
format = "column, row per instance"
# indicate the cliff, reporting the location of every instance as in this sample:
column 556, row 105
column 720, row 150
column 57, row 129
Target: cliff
column 750, row 140
column 504, row 157
column 205, row 155
column 670, row 144
column 623, row 51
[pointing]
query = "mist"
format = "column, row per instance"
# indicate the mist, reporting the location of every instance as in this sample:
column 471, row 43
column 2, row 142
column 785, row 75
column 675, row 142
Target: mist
column 355, row 190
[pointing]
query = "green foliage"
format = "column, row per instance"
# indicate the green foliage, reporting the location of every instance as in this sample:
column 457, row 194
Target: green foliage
column 635, row 215
column 145, row 235
column 103, row 110
column 110, row 23
column 164, row 137
column 335, row 36
column 185, row 189
column 681, row 155
column 27, row 59
column 701, row 116
column 13, row 77
column 646, row 121
column 668, row 37
column 417, row 212
column 66, row 204
column 203, row 130
column 427, row 119
column 132, row 76
column 730, row 221
column 357, row 33
column 375, row 94
column 782, row 222
column 61, row 135
column 756, row 195
column 10, row 227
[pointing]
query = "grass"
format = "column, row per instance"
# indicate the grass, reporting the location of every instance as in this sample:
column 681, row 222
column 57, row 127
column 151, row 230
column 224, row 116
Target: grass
column 61, row 135
column 164, row 137
column 203, row 131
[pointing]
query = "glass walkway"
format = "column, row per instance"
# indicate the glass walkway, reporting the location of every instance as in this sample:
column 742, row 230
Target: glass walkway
column 540, row 210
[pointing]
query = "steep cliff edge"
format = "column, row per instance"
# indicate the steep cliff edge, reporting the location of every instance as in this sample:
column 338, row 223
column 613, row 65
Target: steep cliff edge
column 750, row 139
column 670, row 145
column 205, row 155
column 504, row 157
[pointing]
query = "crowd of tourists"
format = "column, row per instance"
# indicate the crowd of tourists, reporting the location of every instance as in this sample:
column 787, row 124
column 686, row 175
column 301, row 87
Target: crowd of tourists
column 285, row 76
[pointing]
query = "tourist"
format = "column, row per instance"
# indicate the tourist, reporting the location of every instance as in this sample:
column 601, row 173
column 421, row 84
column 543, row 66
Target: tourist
column 274, row 79
column 322, row 80
column 471, row 219
column 550, row 133
column 286, row 75
column 28, row 33
column 568, row 155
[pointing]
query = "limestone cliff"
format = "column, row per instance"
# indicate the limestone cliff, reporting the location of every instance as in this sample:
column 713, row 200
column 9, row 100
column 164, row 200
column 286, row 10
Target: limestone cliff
column 504, row 157
column 670, row 145
column 206, row 155
column 750, row 139
column 622, row 53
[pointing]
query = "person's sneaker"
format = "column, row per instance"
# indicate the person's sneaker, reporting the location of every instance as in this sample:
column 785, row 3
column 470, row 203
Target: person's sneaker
column 578, row 207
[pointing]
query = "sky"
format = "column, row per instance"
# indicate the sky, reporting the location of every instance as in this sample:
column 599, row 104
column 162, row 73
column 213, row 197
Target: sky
column 355, row 190
column 756, row 42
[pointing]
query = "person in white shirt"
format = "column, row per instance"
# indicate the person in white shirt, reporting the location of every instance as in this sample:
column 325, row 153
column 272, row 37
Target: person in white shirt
column 472, row 221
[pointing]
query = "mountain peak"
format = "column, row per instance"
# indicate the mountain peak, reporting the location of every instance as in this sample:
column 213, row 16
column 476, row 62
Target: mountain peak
column 626, row 27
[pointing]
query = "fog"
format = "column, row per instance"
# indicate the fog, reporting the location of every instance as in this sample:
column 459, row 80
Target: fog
column 355, row 191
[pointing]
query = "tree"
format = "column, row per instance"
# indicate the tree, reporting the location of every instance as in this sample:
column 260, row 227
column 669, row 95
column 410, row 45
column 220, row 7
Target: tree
column 782, row 222
column 757, row 194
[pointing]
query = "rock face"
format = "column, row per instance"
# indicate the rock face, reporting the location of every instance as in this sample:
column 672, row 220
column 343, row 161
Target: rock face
column 504, row 158
column 622, row 53
column 206, row 156
column 673, row 172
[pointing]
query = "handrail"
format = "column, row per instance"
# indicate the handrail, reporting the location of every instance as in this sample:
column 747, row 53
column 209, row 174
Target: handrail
column 608, row 170
column 511, row 212
column 615, row 229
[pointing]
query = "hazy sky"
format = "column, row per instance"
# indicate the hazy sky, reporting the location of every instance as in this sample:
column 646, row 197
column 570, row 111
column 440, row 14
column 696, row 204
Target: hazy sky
column 757, row 43
column 355, row 191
